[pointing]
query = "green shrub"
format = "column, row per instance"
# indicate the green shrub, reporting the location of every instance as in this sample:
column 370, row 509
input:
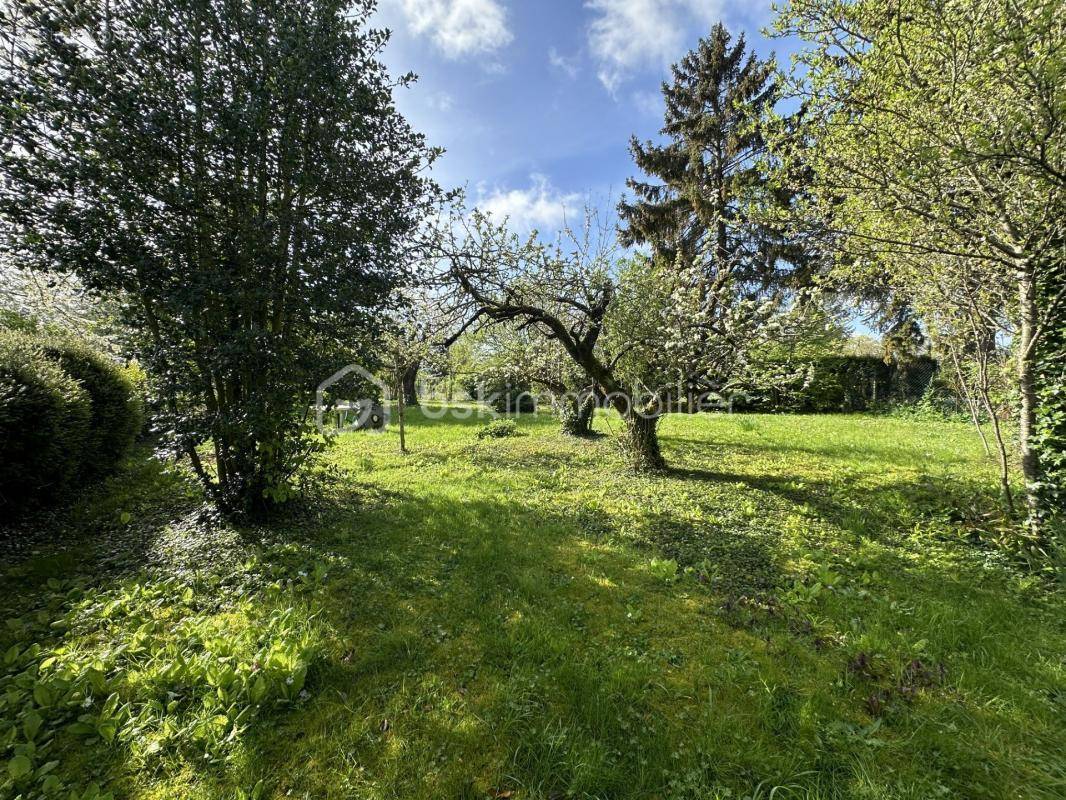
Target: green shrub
column 842, row 383
column 13, row 321
column 503, row 395
column 499, row 429
column 116, row 409
column 44, row 423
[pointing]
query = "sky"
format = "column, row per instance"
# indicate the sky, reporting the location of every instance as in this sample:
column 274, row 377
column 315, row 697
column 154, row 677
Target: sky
column 535, row 100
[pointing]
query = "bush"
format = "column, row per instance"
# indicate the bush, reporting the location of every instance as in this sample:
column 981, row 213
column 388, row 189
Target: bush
column 116, row 408
column 499, row 429
column 44, row 423
column 843, row 383
column 503, row 395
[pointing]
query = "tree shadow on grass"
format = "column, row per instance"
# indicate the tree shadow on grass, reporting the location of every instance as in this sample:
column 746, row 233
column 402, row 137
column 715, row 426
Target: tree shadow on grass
column 483, row 645
column 464, row 624
column 109, row 528
column 486, row 646
column 882, row 511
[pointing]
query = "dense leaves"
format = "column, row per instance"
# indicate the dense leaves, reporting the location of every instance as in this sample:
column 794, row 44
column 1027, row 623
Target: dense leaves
column 45, row 417
column 934, row 132
column 117, row 415
column 240, row 174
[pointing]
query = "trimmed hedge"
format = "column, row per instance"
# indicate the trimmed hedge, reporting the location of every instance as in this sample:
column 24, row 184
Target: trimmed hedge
column 44, row 423
column 117, row 416
column 67, row 415
column 843, row 383
column 502, row 395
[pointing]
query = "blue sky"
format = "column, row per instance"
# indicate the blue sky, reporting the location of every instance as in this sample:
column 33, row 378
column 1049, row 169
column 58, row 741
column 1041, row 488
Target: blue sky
column 535, row 100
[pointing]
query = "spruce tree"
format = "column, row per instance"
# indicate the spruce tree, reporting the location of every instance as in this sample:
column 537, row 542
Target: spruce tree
column 710, row 165
column 709, row 212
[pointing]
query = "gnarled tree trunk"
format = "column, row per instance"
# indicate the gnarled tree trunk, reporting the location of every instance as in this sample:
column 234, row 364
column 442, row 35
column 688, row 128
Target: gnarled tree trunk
column 575, row 413
column 640, row 443
column 409, row 385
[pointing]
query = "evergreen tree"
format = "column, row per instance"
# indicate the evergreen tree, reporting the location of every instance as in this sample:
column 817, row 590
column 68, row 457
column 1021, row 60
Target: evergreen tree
column 236, row 173
column 710, row 167
column 711, row 214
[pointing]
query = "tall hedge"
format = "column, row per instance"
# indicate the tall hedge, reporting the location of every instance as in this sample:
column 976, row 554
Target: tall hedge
column 116, row 410
column 841, row 383
column 44, row 424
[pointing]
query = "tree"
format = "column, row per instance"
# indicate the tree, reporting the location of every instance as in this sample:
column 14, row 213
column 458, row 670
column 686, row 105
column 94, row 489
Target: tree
column 563, row 292
column 240, row 173
column 522, row 356
column 1050, row 369
column 428, row 318
column 964, row 308
column 710, row 162
column 624, row 324
column 710, row 215
column 935, row 132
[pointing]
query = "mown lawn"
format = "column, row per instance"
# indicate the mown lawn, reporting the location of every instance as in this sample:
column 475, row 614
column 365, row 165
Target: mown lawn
column 799, row 609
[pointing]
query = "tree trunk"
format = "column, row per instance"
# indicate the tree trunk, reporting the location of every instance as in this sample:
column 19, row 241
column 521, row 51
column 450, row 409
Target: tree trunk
column 575, row 413
column 967, row 394
column 1001, row 447
column 409, row 385
column 1027, row 410
column 400, row 417
column 640, row 442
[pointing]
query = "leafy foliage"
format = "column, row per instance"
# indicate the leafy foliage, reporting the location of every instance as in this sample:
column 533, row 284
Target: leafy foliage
column 1050, row 438
column 499, row 429
column 153, row 667
column 720, row 274
column 838, row 383
column 241, row 176
column 45, row 419
column 947, row 190
column 117, row 415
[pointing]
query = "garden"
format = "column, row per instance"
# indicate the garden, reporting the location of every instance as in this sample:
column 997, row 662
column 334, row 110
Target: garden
column 326, row 472
column 789, row 610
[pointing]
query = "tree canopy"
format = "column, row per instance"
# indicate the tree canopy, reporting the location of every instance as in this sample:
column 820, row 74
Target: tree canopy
column 240, row 175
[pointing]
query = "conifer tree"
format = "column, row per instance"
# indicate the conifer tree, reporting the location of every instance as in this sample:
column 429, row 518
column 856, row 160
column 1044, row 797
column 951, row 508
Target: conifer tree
column 708, row 211
column 709, row 167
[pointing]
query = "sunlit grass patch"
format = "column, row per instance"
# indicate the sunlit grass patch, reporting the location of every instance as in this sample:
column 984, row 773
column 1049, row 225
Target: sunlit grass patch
column 792, row 606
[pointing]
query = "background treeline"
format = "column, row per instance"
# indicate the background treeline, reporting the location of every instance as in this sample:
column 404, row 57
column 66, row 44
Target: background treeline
column 842, row 383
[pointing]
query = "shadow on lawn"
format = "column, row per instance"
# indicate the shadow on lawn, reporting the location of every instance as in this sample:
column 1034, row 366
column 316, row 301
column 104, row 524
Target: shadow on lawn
column 111, row 528
column 489, row 646
column 883, row 511
column 464, row 623
column 485, row 645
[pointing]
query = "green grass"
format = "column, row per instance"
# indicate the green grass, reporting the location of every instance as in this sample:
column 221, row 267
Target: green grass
column 802, row 607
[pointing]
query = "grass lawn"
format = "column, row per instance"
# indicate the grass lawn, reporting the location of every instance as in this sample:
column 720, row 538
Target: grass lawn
column 799, row 606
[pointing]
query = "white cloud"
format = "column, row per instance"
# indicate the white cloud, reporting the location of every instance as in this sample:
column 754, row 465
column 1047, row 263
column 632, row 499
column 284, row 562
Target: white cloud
column 649, row 104
column 460, row 27
column 441, row 101
column 630, row 35
column 541, row 206
column 564, row 63
column 711, row 11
